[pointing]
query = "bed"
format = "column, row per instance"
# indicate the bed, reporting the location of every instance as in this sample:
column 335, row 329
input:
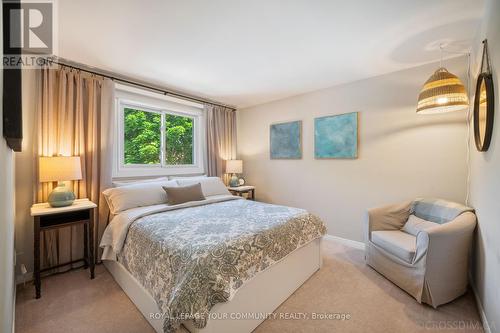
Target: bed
column 221, row 264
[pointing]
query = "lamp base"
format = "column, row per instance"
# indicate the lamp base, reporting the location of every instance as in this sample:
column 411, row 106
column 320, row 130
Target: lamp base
column 61, row 196
column 234, row 182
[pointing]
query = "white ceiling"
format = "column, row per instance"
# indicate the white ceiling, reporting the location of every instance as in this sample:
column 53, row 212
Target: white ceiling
column 245, row 53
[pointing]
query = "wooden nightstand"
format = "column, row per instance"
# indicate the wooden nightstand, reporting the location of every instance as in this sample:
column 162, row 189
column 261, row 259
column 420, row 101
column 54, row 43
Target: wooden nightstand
column 239, row 190
column 46, row 217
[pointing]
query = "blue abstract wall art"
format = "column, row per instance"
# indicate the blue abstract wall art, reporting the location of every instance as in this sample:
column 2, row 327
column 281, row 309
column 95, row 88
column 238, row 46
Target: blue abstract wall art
column 336, row 136
column 286, row 140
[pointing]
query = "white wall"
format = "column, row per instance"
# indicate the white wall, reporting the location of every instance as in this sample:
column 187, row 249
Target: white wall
column 24, row 177
column 485, row 184
column 402, row 155
column 7, row 289
column 6, row 235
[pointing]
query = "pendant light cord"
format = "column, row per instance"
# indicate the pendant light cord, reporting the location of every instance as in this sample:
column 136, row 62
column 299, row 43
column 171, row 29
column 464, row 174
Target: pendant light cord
column 468, row 136
column 441, row 46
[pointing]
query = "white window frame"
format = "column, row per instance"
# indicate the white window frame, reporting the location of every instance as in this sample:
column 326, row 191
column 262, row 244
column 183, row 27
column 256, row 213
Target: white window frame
column 128, row 97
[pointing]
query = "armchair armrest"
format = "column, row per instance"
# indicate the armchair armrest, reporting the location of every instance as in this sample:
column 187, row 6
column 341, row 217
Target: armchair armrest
column 449, row 242
column 447, row 249
column 390, row 217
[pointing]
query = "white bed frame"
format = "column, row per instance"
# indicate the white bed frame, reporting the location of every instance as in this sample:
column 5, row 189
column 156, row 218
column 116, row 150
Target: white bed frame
column 261, row 295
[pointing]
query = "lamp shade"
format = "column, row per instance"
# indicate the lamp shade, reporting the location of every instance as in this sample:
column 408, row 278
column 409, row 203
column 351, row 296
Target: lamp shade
column 234, row 166
column 442, row 92
column 59, row 168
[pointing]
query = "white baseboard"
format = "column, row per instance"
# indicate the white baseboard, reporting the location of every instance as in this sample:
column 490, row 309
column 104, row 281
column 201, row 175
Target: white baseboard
column 20, row 279
column 346, row 242
column 14, row 310
column 482, row 314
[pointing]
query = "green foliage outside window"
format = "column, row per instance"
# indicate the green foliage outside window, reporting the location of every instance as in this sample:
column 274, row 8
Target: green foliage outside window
column 179, row 139
column 143, row 138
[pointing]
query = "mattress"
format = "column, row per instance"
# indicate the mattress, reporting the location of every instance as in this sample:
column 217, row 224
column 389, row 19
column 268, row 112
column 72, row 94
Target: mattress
column 196, row 256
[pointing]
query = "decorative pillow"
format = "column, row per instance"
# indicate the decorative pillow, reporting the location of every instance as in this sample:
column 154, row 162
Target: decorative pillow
column 209, row 185
column 181, row 194
column 121, row 183
column 438, row 210
column 137, row 195
column 415, row 224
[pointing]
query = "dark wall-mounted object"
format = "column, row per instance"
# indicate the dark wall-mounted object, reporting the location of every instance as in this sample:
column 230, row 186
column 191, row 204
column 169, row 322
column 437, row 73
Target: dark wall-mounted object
column 12, row 108
column 484, row 104
column 484, row 109
column 11, row 94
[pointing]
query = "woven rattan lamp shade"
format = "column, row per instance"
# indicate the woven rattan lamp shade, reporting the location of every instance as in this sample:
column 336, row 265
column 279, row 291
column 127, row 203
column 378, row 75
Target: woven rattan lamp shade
column 442, row 92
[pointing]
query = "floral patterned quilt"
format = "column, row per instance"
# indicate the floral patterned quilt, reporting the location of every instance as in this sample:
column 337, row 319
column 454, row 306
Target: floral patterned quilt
column 193, row 258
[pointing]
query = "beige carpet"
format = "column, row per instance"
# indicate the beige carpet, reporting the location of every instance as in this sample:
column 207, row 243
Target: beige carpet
column 71, row 302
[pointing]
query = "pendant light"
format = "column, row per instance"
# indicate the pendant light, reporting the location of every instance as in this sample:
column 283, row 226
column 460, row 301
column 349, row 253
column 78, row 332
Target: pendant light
column 442, row 92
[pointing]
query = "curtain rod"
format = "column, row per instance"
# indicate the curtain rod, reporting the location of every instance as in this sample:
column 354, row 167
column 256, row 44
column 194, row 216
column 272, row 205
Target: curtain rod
column 131, row 82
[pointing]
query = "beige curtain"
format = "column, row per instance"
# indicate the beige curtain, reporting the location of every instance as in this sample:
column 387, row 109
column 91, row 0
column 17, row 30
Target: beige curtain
column 221, row 139
column 74, row 118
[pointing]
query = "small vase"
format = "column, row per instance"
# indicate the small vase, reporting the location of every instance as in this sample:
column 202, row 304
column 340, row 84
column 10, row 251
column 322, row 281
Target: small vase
column 234, row 182
column 61, row 196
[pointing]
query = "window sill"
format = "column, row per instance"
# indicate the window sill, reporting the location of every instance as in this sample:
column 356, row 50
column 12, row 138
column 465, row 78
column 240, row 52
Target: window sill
column 127, row 172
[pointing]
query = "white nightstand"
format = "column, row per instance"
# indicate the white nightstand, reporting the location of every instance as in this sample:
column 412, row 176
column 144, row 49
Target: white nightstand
column 46, row 218
column 239, row 190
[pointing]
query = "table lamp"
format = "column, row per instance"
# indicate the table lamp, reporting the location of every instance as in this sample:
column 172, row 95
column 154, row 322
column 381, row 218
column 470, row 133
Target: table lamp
column 234, row 167
column 60, row 169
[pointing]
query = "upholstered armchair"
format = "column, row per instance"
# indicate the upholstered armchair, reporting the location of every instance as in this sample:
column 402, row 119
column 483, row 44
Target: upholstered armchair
column 430, row 264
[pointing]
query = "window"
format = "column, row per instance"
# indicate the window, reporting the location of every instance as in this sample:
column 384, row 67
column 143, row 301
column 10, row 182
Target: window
column 179, row 139
column 142, row 136
column 157, row 137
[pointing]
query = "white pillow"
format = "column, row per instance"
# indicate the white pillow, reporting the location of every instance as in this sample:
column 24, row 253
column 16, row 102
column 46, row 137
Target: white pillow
column 415, row 224
column 137, row 195
column 209, row 185
column 137, row 181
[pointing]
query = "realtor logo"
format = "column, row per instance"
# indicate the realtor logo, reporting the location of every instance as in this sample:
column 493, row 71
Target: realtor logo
column 28, row 34
column 27, row 28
